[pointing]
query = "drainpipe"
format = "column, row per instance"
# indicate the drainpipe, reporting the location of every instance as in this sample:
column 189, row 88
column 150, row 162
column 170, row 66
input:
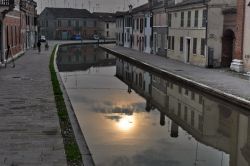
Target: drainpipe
column 152, row 29
column 167, row 28
column 206, row 39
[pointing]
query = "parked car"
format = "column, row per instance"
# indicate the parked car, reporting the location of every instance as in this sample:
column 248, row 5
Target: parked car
column 42, row 39
column 76, row 37
column 96, row 37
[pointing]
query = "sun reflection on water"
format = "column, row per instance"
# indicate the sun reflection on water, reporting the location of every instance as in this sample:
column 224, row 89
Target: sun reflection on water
column 126, row 123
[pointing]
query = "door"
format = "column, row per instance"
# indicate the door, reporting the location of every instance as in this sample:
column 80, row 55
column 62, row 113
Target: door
column 188, row 50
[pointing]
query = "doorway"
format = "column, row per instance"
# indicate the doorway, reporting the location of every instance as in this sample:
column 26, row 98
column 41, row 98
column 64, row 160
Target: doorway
column 187, row 50
column 227, row 48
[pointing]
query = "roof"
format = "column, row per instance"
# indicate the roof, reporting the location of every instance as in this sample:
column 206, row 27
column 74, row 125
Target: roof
column 69, row 12
column 142, row 8
column 186, row 2
column 107, row 17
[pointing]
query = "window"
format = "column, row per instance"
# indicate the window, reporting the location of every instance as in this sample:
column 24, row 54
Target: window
column 179, row 109
column 84, row 24
column 181, row 44
column 141, row 25
column 107, row 33
column 59, row 23
column 172, row 43
column 204, row 18
column 189, row 19
column 145, row 22
column 180, row 90
column 196, row 17
column 195, row 46
column 169, row 42
column 137, row 23
column 182, row 19
column 186, row 92
column 192, row 118
column 193, row 96
column 185, row 113
column 200, row 125
column 169, row 19
column 202, row 46
column 77, row 23
column 95, row 23
column 145, row 41
column 107, row 25
column 200, row 99
column 69, row 23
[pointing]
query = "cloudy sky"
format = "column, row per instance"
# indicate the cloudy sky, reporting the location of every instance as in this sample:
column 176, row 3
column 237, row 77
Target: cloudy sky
column 92, row 5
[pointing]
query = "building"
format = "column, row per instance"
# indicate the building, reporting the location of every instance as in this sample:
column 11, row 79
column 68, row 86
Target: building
column 63, row 23
column 187, row 31
column 106, row 24
column 160, row 28
column 241, row 57
column 120, row 20
column 29, row 13
column 141, row 24
column 196, row 37
column 18, row 26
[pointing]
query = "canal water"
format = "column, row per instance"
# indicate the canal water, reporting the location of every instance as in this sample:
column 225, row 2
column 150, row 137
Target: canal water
column 133, row 117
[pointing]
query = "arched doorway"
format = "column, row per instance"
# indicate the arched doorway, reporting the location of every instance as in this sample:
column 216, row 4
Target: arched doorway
column 227, row 48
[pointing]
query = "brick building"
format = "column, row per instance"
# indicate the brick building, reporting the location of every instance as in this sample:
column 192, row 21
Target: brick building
column 13, row 26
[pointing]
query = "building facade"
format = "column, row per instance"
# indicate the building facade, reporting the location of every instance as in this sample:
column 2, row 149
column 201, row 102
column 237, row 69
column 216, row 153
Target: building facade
column 187, row 32
column 160, row 28
column 15, row 14
column 63, row 23
column 120, row 22
column 29, row 12
column 106, row 25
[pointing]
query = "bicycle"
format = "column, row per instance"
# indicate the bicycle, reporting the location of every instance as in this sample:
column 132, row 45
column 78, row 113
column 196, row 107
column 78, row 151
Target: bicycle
column 7, row 53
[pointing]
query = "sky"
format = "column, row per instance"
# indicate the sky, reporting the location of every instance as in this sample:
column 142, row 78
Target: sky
column 92, row 5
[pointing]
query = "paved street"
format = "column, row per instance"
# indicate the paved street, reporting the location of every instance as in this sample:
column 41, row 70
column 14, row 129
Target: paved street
column 216, row 79
column 29, row 125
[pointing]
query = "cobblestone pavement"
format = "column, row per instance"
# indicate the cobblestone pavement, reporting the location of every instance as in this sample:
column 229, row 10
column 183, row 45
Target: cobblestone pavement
column 29, row 125
column 218, row 79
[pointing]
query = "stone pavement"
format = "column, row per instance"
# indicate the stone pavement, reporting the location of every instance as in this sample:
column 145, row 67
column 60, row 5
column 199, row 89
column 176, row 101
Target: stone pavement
column 221, row 81
column 29, row 125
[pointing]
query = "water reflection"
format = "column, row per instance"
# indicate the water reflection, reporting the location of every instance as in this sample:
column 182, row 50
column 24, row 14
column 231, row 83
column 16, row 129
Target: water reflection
column 164, row 123
column 82, row 57
column 210, row 121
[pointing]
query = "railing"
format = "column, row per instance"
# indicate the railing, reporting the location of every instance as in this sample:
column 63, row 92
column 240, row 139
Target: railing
column 7, row 2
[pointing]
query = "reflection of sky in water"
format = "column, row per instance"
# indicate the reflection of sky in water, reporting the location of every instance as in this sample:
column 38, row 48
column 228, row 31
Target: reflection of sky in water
column 120, row 132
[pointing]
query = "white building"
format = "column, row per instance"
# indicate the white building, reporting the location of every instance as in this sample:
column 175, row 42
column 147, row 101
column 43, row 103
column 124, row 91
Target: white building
column 120, row 28
column 187, row 32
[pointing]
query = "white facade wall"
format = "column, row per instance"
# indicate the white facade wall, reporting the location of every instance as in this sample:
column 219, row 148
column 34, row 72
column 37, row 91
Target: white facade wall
column 246, row 51
column 119, row 31
column 147, row 34
column 188, row 33
column 110, row 31
column 128, row 33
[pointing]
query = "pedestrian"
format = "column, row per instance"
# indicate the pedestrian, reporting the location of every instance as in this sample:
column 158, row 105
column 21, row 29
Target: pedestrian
column 39, row 46
column 46, row 46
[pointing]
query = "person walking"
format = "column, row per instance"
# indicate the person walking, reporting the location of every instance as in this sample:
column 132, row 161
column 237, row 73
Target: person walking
column 39, row 46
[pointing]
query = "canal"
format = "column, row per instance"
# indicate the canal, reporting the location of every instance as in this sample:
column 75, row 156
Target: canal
column 133, row 117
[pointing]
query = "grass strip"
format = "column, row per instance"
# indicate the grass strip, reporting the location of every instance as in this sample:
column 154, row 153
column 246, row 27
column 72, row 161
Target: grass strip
column 72, row 151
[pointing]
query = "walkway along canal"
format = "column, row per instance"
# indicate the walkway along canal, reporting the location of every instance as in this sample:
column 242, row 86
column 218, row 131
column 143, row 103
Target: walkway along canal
column 133, row 116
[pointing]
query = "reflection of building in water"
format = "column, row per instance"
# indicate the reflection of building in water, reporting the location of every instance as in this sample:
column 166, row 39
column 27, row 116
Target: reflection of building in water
column 78, row 57
column 210, row 121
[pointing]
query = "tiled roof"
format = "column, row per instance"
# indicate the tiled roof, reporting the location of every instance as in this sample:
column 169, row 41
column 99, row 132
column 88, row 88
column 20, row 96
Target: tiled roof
column 105, row 16
column 69, row 12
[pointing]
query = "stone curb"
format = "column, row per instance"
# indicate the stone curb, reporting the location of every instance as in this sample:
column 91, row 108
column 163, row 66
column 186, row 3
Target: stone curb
column 81, row 141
